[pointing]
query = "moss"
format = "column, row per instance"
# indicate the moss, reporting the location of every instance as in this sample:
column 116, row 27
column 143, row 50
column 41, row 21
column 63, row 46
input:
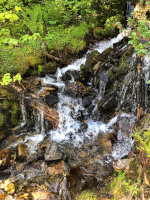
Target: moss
column 19, row 59
column 87, row 195
column 49, row 68
column 14, row 114
column 133, row 169
column 110, row 28
column 2, row 119
column 5, row 93
column 5, row 104
column 124, row 66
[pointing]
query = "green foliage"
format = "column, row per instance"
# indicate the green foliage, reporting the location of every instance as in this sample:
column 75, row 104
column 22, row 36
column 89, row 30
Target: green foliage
column 7, row 79
column 62, row 25
column 121, row 185
column 143, row 137
column 140, row 32
column 86, row 195
column 33, row 20
column 111, row 27
column 71, row 38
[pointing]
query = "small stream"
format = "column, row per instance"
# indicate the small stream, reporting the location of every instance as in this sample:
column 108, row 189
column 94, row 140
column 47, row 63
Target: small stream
column 96, row 121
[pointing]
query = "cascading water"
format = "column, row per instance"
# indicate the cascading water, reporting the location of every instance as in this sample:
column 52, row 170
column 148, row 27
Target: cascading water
column 70, row 109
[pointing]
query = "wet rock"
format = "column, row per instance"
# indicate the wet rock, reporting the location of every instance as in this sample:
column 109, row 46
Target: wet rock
column 125, row 125
column 22, row 152
column 78, row 90
column 87, row 100
column 123, row 164
column 87, row 69
column 51, row 99
column 52, row 151
column 5, row 158
column 108, row 104
column 57, row 169
column 48, row 68
column 42, row 195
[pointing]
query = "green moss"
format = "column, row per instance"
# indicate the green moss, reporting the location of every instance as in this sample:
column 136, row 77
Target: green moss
column 5, row 93
column 14, row 114
column 87, row 195
column 19, row 59
column 110, row 28
column 5, row 104
column 134, row 170
column 2, row 119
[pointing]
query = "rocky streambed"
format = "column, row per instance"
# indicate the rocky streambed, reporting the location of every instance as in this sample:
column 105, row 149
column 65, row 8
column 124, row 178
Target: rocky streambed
column 64, row 132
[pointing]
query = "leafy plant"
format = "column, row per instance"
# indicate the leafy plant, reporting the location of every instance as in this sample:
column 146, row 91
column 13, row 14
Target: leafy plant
column 143, row 137
column 140, row 35
column 121, row 185
column 7, row 79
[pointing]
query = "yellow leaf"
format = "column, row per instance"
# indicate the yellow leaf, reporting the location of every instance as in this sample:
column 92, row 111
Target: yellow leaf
column 17, row 8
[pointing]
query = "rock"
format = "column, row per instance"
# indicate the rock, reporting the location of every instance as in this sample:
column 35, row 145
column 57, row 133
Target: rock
column 78, row 90
column 110, row 28
column 51, row 99
column 42, row 195
column 49, row 68
column 22, row 152
column 123, row 164
column 5, row 158
column 57, row 169
column 52, row 152
column 87, row 69
column 147, row 177
column 108, row 104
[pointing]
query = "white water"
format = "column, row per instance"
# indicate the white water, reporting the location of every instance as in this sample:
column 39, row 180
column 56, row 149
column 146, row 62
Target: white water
column 69, row 128
column 145, row 71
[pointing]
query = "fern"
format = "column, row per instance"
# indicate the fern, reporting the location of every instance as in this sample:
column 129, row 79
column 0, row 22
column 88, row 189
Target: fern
column 33, row 20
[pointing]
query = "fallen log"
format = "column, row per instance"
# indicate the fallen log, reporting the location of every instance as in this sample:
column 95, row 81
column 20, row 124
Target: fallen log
column 50, row 114
column 56, row 59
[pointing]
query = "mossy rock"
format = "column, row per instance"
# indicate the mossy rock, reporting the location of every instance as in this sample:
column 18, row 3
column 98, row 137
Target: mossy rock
column 19, row 59
column 86, row 71
column 5, row 93
column 110, row 28
column 49, row 68
column 15, row 119
column 124, row 66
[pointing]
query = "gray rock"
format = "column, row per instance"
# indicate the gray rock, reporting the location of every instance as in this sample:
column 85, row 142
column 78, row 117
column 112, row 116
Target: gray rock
column 52, row 152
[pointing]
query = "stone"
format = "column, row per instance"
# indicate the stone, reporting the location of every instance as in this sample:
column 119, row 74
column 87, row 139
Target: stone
column 147, row 179
column 22, row 152
column 51, row 99
column 42, row 195
column 5, row 157
column 123, row 164
column 52, row 152
column 57, row 169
